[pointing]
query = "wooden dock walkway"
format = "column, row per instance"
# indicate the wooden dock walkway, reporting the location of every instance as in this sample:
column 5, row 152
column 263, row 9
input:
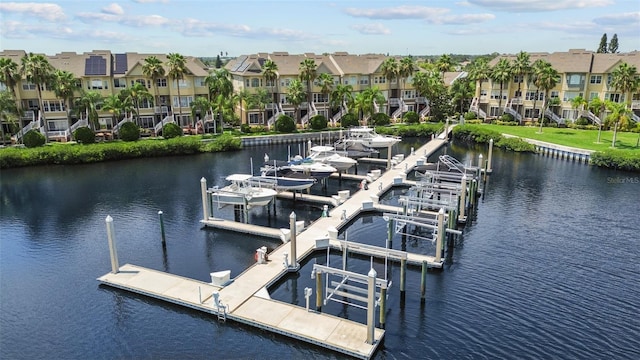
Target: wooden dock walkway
column 243, row 296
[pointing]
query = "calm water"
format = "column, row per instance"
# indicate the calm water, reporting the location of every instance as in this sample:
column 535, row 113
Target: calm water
column 548, row 269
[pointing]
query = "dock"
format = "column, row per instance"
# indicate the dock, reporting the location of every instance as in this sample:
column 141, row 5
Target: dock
column 244, row 299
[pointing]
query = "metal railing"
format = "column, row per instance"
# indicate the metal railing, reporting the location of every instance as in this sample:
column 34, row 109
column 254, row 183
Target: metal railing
column 167, row 119
column 591, row 116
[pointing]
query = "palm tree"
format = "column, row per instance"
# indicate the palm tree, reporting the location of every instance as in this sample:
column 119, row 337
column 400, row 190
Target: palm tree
column 114, row 105
column 620, row 115
column 444, row 64
column 64, row 86
column 625, row 79
column 89, row 101
column 10, row 76
column 479, row 71
column 501, row 72
column 200, row 105
column 546, row 79
column 260, row 99
column 153, row 69
column 406, row 68
column 270, row 73
column 326, row 83
column 308, row 74
column 220, row 87
column 365, row 100
column 461, row 90
column 295, row 95
column 8, row 111
column 177, row 65
column 241, row 97
column 390, row 70
column 578, row 103
column 37, row 70
column 521, row 67
column 137, row 93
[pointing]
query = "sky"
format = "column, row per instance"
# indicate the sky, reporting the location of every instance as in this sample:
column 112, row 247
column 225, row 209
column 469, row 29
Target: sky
column 238, row 27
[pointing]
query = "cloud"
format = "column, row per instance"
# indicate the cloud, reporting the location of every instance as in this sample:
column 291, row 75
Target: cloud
column 47, row 11
column 113, row 9
column 440, row 16
column 371, row 29
column 151, row 1
column 465, row 19
column 539, row 5
column 134, row 21
column 624, row 19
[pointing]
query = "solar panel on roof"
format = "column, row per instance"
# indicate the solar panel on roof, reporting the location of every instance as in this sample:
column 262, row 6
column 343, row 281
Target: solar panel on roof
column 95, row 65
column 121, row 64
column 244, row 66
column 239, row 63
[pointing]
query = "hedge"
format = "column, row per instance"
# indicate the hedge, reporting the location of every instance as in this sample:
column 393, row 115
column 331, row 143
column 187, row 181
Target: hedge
column 616, row 160
column 478, row 134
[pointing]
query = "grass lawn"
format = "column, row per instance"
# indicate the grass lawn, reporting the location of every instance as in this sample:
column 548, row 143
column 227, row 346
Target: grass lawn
column 583, row 139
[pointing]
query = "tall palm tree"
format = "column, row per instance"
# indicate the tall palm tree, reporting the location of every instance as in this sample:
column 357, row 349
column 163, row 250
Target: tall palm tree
column 114, row 105
column 270, row 73
column 390, row 70
column 65, row 85
column 546, row 79
column 308, row 73
column 90, row 100
column 406, row 69
column 521, row 67
column 260, row 99
column 460, row 91
column 220, row 87
column 200, row 105
column 326, row 83
column 177, row 65
column 8, row 111
column 501, row 72
column 242, row 97
column 625, row 79
column 295, row 95
column 620, row 115
column 365, row 101
column 37, row 70
column 444, row 64
column 578, row 103
column 480, row 72
column 153, row 69
column 138, row 93
column 10, row 76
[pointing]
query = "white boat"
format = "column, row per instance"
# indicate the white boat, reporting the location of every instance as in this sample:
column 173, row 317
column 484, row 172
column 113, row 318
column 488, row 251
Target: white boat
column 354, row 149
column 311, row 167
column 328, row 155
column 241, row 192
column 283, row 178
column 369, row 137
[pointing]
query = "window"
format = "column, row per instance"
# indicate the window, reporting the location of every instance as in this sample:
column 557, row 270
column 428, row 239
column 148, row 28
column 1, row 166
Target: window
column 254, row 119
column 575, row 80
column 595, row 79
column 379, row 80
column 320, row 98
column 352, row 81
column 255, row 82
column 554, row 94
column 530, row 113
column 96, row 84
column 409, row 94
column 283, row 82
column 270, row 83
column 53, row 105
column 497, row 95
column 284, row 100
column 531, row 95
column 57, row 125
column 614, row 97
column 146, row 122
column 161, row 82
column 364, row 81
column 28, row 85
column 494, row 111
column 144, row 104
column 185, row 101
column 593, row 95
column 567, row 114
column 182, row 83
column 200, row 82
column 119, row 83
column 518, row 78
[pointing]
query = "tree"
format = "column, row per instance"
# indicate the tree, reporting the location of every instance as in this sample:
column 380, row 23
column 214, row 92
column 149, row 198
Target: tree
column 390, row 70
column 444, row 64
column 521, row 67
column 625, row 79
column 342, row 95
column 326, row 83
column 64, row 86
column 479, row 71
column 241, row 97
column 10, row 76
column 260, row 99
column 602, row 48
column 546, row 79
column 619, row 116
column 177, row 65
column 578, row 103
column 136, row 94
column 8, row 110
column 308, row 74
column 37, row 70
column 114, row 104
column 295, row 95
column 406, row 69
column 365, row 101
column 501, row 72
column 613, row 44
column 270, row 74
column 220, row 90
column 89, row 101
column 460, row 91
column 200, row 105
column 218, row 62
column 153, row 69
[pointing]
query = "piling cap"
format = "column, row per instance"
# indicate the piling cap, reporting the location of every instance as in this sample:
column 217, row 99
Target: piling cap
column 441, row 211
column 109, row 219
column 372, row 273
column 203, row 179
column 292, row 215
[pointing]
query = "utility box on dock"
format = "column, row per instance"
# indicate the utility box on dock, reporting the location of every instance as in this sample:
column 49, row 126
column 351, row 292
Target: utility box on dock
column 220, row 278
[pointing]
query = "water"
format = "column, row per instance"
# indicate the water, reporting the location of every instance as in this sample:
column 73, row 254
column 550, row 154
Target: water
column 548, row 268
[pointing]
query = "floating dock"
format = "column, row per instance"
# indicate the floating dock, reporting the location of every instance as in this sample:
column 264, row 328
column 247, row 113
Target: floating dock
column 243, row 299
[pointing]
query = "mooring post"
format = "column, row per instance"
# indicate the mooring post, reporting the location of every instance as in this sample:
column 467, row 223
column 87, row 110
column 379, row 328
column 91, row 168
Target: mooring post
column 205, row 203
column 474, row 192
column 423, row 281
column 371, row 305
column 164, row 241
column 463, row 199
column 388, row 157
column 440, row 235
column 390, row 229
column 292, row 228
column 403, row 277
column 115, row 268
column 489, row 156
column 383, row 305
column 319, row 292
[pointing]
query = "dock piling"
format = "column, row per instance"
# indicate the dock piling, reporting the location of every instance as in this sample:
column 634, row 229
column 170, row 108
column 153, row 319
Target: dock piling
column 423, row 282
column 440, row 235
column 489, row 156
column 205, row 203
column 319, row 292
column 164, row 241
column 115, row 268
column 371, row 305
column 463, row 200
column 292, row 227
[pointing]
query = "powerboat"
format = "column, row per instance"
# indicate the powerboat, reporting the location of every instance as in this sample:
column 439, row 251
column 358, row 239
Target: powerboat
column 328, row 155
column 353, row 149
column 282, row 178
column 318, row 170
column 241, row 191
column 368, row 136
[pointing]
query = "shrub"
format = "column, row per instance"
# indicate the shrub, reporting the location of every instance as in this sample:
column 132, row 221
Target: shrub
column 616, row 159
column 349, row 120
column 285, row 124
column 84, row 135
column 33, row 139
column 380, row 119
column 318, row 122
column 245, row 128
column 506, row 117
column 411, row 117
column 171, row 130
column 470, row 116
column 582, row 121
column 129, row 131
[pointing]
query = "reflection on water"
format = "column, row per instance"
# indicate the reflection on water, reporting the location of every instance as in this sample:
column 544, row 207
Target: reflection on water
column 547, row 268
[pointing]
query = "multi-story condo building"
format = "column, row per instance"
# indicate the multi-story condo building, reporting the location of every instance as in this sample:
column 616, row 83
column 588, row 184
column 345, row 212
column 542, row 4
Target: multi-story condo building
column 583, row 73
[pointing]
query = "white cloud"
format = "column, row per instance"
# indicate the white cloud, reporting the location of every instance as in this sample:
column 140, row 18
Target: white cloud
column 539, row 5
column 47, row 11
column 465, row 19
column 398, row 12
column 625, row 19
column 151, row 1
column 144, row 20
column 113, row 9
column 371, row 29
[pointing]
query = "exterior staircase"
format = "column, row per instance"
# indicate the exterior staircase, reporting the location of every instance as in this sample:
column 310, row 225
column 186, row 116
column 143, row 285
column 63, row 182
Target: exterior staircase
column 635, row 117
column 425, row 111
column 551, row 115
column 119, row 124
column 33, row 124
column 276, row 114
column 591, row 116
column 312, row 113
column 167, row 119
column 402, row 108
column 339, row 115
column 511, row 111
column 476, row 109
